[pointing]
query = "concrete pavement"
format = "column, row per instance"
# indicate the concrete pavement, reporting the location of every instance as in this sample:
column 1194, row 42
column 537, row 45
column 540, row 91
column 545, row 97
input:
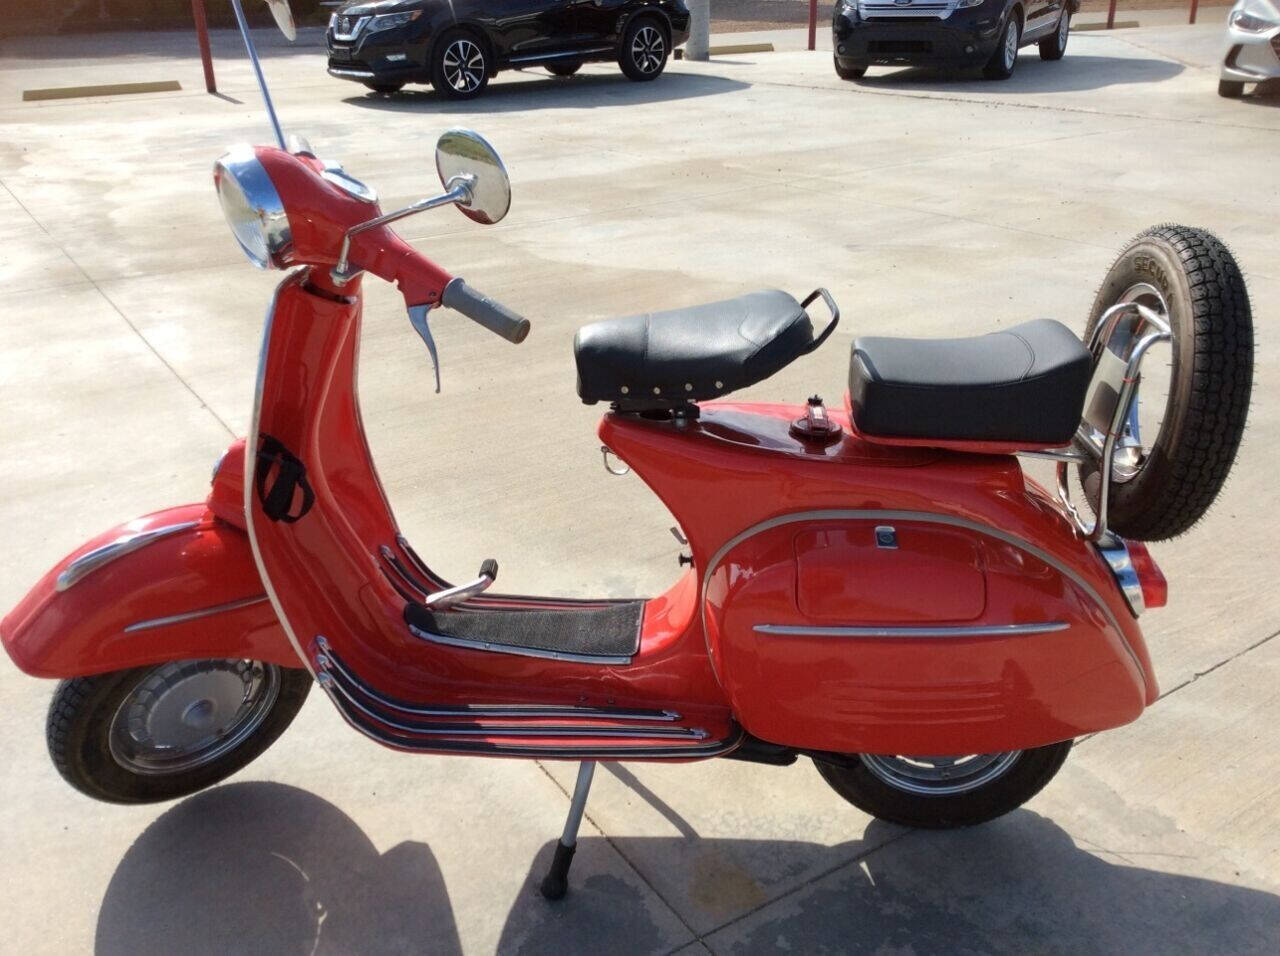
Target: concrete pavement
column 928, row 206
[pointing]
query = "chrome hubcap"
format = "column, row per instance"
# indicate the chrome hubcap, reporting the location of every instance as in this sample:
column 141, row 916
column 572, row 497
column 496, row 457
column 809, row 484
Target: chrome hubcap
column 186, row 714
column 463, row 66
column 1011, row 45
column 1154, row 380
column 940, row 776
column 648, row 49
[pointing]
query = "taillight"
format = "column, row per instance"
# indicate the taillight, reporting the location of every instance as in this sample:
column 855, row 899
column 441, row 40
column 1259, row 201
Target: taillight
column 1155, row 589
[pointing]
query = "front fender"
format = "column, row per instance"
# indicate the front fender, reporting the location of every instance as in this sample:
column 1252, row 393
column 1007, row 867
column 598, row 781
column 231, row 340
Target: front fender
column 175, row 585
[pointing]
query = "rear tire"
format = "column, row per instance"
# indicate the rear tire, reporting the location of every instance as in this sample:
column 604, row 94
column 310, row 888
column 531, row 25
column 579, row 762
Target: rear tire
column 108, row 745
column 849, row 72
column 563, row 67
column 855, row 778
column 1054, row 46
column 1212, row 376
column 460, row 66
column 1231, row 89
column 642, row 55
column 1005, row 56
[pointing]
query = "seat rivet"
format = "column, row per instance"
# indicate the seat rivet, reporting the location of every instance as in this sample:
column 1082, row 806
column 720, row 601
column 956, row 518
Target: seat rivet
column 656, row 390
column 625, row 390
column 688, row 387
column 719, row 384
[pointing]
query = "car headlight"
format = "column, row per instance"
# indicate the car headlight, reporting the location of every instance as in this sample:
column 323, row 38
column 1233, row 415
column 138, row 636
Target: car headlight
column 333, row 21
column 253, row 208
column 389, row 21
column 1249, row 23
column 969, row 3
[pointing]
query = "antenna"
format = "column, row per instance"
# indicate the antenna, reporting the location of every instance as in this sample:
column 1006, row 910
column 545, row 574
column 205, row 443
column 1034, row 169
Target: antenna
column 257, row 69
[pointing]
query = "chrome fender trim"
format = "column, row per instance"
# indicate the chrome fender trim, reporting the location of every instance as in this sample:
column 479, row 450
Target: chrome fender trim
column 91, row 561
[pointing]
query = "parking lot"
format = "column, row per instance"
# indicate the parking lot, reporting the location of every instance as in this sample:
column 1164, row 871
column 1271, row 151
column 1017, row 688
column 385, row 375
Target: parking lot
column 928, row 206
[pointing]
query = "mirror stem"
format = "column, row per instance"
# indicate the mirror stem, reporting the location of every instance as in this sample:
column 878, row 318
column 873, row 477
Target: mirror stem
column 257, row 69
column 459, row 191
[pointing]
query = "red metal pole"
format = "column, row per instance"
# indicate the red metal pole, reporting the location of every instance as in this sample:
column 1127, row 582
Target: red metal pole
column 1111, row 15
column 202, row 37
column 813, row 23
column 1195, row 5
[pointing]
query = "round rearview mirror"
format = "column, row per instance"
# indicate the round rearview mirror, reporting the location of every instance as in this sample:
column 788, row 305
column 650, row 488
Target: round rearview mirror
column 284, row 18
column 461, row 152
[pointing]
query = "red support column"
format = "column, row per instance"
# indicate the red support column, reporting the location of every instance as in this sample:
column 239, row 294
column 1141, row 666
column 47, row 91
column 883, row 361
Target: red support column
column 1195, row 5
column 813, row 23
column 202, row 37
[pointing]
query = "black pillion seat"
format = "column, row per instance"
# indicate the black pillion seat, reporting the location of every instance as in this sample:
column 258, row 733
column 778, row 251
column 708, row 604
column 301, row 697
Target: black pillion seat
column 1025, row 384
column 687, row 355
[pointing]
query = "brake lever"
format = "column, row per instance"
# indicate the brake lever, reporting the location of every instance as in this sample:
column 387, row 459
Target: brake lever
column 418, row 319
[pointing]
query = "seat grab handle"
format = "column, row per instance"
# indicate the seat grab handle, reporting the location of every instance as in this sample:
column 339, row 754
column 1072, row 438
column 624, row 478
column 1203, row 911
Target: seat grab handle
column 831, row 307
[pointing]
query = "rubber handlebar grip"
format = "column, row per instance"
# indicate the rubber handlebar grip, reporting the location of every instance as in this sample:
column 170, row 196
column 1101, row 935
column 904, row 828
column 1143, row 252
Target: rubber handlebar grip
column 494, row 316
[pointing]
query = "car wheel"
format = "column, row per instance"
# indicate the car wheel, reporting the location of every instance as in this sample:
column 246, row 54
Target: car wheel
column 849, row 72
column 1231, row 89
column 1005, row 56
column 1053, row 46
column 563, row 67
column 643, row 53
column 385, row 87
column 460, row 67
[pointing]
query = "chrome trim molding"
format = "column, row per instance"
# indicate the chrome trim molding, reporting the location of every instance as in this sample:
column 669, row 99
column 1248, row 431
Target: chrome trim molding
column 540, row 57
column 91, row 561
column 194, row 615
column 927, row 517
column 1116, row 553
column 607, row 660
column 994, row 630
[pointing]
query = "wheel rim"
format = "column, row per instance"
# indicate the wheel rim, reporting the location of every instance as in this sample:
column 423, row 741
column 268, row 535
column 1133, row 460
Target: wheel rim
column 648, row 49
column 940, row 776
column 1011, row 44
column 1154, row 381
column 186, row 714
column 463, row 66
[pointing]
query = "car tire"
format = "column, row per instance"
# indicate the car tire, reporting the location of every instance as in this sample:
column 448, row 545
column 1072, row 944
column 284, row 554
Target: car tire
column 849, row 72
column 1005, row 56
column 1202, row 292
column 893, row 788
column 460, row 65
column 385, row 87
column 1055, row 44
column 563, row 67
column 1231, row 89
column 643, row 53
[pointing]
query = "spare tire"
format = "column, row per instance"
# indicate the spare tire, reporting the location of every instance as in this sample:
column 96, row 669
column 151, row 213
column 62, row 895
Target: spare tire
column 1190, row 277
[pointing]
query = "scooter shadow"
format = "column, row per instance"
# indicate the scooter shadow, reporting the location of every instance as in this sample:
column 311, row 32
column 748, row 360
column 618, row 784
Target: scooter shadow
column 268, row 868
column 584, row 91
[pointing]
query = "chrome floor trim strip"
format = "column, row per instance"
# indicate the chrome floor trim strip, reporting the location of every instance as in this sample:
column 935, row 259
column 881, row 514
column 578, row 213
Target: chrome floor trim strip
column 104, row 554
column 994, row 630
column 196, row 614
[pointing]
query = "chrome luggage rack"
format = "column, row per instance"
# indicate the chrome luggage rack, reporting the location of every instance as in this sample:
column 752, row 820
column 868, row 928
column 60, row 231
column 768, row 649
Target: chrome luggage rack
column 1108, row 434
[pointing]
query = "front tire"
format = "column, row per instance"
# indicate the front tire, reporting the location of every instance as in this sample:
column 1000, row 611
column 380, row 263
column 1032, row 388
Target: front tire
column 164, row 731
column 1231, row 89
column 849, row 72
column 1191, row 279
column 938, row 793
column 1005, row 56
column 1054, row 46
column 643, row 53
column 460, row 68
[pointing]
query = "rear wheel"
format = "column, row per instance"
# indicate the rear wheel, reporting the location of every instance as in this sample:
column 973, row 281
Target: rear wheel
column 1005, row 56
column 1053, row 46
column 1188, row 412
column 460, row 68
column 849, row 72
column 1231, row 89
column 160, row 732
column 563, row 67
column 938, row 793
column 643, row 53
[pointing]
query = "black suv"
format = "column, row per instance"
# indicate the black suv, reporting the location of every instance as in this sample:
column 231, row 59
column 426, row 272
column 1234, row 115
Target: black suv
column 947, row 33
column 457, row 45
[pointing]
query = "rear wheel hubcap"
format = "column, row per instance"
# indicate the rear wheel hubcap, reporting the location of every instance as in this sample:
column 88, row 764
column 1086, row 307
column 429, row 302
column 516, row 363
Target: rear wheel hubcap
column 647, row 49
column 940, row 776
column 463, row 66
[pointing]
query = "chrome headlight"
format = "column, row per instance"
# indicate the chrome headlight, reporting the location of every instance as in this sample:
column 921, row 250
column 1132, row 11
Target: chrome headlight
column 253, row 208
column 1249, row 23
column 389, row 21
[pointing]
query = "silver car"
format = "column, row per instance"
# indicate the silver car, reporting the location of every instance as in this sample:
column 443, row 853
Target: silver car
column 1253, row 46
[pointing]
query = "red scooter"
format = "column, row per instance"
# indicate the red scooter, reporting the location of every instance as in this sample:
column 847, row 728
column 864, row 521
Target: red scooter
column 878, row 587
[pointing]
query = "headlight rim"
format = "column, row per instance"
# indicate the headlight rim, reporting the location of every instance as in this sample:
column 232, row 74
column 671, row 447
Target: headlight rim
column 253, row 208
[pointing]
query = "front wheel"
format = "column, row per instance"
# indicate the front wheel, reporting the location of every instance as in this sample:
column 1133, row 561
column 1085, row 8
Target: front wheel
column 1231, row 89
column 1054, row 46
column 643, row 53
column 460, row 68
column 938, row 793
column 164, row 731
column 1005, row 55
column 848, row 72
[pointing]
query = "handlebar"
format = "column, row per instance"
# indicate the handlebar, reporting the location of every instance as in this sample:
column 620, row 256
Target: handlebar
column 494, row 316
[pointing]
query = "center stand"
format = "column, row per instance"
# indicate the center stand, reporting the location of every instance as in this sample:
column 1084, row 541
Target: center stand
column 556, row 882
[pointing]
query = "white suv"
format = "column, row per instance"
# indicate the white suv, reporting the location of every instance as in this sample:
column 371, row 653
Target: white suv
column 1253, row 46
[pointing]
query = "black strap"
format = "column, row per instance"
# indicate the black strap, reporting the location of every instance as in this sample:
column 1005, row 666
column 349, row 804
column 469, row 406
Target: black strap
column 291, row 475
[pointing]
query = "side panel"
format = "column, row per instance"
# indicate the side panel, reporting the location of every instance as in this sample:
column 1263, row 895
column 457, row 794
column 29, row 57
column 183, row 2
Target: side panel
column 188, row 593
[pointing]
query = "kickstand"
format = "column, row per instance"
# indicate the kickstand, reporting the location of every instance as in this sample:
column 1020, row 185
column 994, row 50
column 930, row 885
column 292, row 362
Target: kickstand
column 556, row 882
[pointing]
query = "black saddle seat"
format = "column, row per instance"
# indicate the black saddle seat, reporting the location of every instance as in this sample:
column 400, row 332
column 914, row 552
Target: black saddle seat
column 1024, row 384
column 691, row 354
